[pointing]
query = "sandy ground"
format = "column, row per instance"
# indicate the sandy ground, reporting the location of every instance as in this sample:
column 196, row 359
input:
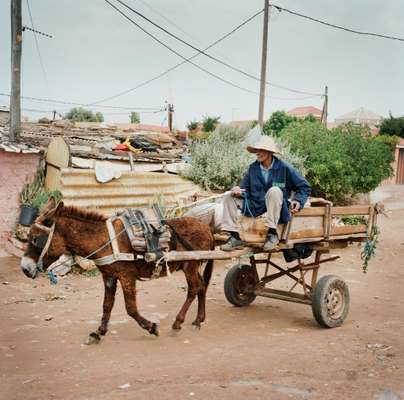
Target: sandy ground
column 269, row 350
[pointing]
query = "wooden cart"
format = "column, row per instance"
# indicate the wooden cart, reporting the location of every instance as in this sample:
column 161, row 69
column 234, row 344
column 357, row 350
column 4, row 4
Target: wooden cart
column 320, row 227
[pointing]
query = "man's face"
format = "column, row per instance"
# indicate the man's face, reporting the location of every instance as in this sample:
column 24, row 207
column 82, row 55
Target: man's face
column 263, row 155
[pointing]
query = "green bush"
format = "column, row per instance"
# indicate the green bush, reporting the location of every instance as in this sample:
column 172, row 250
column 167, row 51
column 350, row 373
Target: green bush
column 134, row 117
column 192, row 125
column 209, row 123
column 220, row 161
column 80, row 114
column 393, row 126
column 340, row 162
column 391, row 141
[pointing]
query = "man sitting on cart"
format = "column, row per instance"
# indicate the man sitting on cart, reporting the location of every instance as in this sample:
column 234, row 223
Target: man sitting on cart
column 265, row 188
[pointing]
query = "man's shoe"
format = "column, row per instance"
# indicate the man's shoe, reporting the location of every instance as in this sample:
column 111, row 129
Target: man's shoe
column 272, row 242
column 232, row 244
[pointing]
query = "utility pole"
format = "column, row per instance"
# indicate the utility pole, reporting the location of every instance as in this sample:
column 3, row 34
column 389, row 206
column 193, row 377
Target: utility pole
column 16, row 47
column 263, row 64
column 170, row 109
column 324, row 114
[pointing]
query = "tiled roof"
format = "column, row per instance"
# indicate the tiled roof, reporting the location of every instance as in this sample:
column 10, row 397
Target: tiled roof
column 305, row 111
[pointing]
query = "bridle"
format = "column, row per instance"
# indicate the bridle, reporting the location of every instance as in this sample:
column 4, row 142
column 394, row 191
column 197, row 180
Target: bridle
column 43, row 242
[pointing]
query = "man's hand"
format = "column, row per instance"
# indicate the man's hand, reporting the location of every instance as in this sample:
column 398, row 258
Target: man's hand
column 237, row 191
column 295, row 207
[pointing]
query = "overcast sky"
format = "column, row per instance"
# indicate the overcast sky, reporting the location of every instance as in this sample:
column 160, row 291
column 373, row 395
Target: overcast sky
column 96, row 53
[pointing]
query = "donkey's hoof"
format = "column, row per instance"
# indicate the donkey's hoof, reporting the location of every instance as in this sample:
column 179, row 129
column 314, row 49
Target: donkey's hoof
column 154, row 330
column 93, row 338
column 197, row 325
column 176, row 325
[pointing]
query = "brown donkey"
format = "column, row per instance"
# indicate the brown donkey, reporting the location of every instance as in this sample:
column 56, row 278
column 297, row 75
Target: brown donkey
column 80, row 232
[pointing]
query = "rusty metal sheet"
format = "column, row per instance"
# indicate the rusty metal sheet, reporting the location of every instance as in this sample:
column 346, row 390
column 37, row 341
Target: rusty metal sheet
column 133, row 189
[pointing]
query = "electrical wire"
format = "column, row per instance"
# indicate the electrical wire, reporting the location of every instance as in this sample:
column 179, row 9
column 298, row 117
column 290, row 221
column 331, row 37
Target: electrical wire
column 27, row 28
column 336, row 26
column 39, row 99
column 37, row 46
column 177, row 65
column 239, row 70
column 176, row 53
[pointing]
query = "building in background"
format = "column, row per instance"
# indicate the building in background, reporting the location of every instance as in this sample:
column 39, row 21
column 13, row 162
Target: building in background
column 361, row 116
column 303, row 112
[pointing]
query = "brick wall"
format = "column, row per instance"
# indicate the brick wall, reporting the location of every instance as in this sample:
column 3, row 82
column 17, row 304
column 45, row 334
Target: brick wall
column 15, row 169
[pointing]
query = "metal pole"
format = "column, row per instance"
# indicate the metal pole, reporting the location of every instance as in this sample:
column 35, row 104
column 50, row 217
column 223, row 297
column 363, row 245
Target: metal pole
column 263, row 64
column 16, row 47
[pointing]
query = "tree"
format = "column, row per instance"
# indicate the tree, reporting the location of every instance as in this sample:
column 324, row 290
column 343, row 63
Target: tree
column 278, row 121
column 340, row 162
column 209, row 123
column 99, row 117
column 134, row 118
column 80, row 114
column 393, row 126
column 192, row 125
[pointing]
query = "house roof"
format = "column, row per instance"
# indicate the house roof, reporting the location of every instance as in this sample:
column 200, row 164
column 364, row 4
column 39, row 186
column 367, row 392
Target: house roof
column 304, row 111
column 361, row 115
column 143, row 127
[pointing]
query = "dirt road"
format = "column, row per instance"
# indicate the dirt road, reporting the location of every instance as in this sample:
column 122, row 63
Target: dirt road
column 270, row 350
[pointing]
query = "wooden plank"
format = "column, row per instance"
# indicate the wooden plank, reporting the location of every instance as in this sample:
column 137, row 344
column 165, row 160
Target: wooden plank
column 347, row 229
column 351, row 210
column 201, row 255
column 310, row 212
column 58, row 157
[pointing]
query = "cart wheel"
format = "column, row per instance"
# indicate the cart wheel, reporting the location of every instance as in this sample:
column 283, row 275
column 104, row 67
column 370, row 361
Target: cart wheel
column 239, row 285
column 330, row 301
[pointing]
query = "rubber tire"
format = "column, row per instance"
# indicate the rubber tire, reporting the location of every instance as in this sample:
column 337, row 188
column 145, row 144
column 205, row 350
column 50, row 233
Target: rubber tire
column 319, row 305
column 230, row 289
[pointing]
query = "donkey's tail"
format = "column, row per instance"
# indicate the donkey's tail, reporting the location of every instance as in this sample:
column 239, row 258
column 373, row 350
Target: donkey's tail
column 207, row 272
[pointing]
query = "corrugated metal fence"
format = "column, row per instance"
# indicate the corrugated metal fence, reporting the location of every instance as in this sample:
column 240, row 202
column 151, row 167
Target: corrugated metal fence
column 133, row 189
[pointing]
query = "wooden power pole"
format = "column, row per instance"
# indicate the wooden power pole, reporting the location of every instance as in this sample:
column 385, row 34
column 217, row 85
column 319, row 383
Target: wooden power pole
column 170, row 116
column 263, row 64
column 16, row 47
column 324, row 114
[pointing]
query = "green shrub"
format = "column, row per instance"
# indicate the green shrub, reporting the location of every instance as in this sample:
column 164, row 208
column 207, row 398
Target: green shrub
column 134, row 117
column 393, row 126
column 391, row 141
column 339, row 162
column 80, row 114
column 209, row 123
column 220, row 161
column 192, row 125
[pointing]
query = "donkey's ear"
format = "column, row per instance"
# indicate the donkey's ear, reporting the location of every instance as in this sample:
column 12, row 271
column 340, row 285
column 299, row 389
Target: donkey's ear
column 50, row 205
column 59, row 206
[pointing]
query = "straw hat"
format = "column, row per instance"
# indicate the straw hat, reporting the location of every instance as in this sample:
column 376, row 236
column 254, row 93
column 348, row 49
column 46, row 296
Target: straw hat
column 264, row 143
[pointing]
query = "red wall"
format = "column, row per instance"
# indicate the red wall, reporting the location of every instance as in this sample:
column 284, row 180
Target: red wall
column 15, row 169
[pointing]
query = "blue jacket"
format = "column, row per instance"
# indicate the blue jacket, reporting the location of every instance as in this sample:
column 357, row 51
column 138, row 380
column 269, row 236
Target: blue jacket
column 284, row 176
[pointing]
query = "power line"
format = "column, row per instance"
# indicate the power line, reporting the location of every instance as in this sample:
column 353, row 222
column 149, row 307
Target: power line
column 189, row 61
column 83, row 104
column 27, row 28
column 239, row 70
column 176, row 53
column 179, row 64
column 37, row 46
column 337, row 26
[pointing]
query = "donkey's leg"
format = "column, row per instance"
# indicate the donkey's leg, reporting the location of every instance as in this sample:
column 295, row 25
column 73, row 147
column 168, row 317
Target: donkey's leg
column 204, row 283
column 200, row 317
column 129, row 293
column 191, row 273
column 109, row 300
